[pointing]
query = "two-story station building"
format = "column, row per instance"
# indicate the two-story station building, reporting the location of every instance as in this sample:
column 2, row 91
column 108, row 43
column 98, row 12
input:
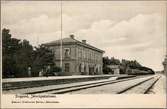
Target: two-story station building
column 78, row 57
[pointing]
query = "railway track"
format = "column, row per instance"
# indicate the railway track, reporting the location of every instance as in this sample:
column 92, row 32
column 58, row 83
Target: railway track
column 80, row 87
column 47, row 88
column 134, row 86
column 142, row 87
column 113, row 85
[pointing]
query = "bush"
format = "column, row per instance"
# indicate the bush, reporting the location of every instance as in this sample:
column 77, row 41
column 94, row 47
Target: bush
column 55, row 69
column 107, row 70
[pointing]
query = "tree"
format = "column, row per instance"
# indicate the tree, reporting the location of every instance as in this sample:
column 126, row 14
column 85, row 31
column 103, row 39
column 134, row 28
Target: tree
column 114, row 61
column 123, row 65
column 24, row 58
column 9, row 49
column 42, row 57
column 18, row 55
column 107, row 62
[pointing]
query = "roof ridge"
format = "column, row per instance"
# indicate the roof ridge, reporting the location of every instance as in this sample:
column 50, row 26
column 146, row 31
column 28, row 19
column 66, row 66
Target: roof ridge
column 68, row 40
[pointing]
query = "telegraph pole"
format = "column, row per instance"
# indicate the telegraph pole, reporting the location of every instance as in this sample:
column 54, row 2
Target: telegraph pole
column 61, row 48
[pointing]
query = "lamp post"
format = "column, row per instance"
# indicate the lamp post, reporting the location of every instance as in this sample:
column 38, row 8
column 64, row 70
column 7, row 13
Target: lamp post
column 165, row 65
column 165, row 61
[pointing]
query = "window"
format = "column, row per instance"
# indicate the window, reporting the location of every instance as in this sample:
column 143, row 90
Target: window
column 79, row 53
column 94, row 56
column 89, row 54
column 67, row 52
column 67, row 67
column 55, row 53
column 84, row 53
column 80, row 67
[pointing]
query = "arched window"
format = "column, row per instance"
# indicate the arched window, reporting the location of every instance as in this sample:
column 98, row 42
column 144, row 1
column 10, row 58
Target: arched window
column 85, row 68
column 80, row 67
column 67, row 52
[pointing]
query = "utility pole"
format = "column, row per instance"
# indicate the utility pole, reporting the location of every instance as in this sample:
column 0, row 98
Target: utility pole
column 61, row 48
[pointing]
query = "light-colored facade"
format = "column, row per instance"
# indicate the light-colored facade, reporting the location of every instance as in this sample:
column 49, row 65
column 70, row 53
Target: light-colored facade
column 78, row 58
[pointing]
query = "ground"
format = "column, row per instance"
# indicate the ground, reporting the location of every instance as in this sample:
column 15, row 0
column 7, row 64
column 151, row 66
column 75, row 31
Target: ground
column 160, row 86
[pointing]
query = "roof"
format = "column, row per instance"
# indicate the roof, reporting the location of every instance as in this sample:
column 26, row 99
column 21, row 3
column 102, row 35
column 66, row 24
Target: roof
column 70, row 40
column 64, row 40
column 113, row 66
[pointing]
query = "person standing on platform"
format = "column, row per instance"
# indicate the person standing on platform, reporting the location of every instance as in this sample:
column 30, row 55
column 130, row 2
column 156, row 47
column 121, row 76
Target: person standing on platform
column 48, row 71
column 41, row 73
column 29, row 71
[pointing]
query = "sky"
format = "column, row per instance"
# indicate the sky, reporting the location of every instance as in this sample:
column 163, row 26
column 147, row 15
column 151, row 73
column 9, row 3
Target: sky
column 134, row 30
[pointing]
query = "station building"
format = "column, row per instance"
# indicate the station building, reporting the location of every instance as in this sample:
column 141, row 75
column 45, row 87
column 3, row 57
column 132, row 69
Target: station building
column 78, row 57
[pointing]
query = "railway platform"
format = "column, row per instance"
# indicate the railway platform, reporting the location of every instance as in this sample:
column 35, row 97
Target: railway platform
column 20, row 83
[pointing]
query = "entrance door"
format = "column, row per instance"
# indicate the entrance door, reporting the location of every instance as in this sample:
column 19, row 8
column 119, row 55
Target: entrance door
column 67, row 67
column 91, row 71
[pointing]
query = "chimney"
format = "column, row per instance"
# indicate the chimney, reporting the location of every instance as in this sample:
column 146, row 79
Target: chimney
column 84, row 41
column 72, row 36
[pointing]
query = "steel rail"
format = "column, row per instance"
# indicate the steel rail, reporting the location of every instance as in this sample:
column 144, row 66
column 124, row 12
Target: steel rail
column 83, row 86
column 136, row 85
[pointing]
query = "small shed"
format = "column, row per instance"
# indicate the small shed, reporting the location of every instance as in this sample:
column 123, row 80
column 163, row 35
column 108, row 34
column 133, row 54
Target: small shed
column 115, row 69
